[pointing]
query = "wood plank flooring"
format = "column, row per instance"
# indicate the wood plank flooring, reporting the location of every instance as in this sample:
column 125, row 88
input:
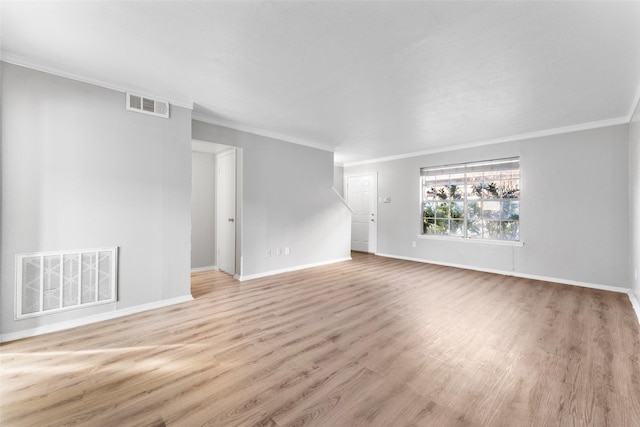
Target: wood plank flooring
column 373, row 341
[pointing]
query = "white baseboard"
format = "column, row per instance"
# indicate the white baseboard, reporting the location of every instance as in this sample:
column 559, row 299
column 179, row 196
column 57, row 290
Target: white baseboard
column 515, row 274
column 634, row 301
column 12, row 336
column 290, row 269
column 207, row 268
column 635, row 304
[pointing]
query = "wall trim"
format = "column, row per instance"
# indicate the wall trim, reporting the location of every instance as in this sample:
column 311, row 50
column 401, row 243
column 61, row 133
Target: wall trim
column 12, row 336
column 289, row 269
column 344, row 202
column 634, row 301
column 514, row 274
column 261, row 132
column 537, row 134
column 205, row 268
column 22, row 61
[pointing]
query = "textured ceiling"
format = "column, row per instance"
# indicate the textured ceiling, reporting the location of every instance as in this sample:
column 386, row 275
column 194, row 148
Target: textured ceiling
column 368, row 79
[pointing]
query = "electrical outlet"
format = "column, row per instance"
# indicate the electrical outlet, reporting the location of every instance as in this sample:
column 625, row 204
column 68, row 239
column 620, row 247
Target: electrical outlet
column 279, row 251
column 413, row 244
column 268, row 253
column 287, row 251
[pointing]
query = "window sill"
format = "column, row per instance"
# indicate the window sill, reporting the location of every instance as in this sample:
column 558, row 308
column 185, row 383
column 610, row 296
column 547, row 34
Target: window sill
column 471, row 241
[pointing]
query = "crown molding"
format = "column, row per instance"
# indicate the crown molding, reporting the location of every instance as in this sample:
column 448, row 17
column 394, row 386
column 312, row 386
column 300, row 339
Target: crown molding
column 22, row 61
column 513, row 138
column 257, row 131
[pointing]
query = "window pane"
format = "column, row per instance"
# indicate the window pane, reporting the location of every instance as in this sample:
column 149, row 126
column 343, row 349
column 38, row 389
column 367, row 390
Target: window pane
column 492, row 230
column 428, row 214
column 474, row 229
column 442, row 180
column 457, row 209
column 428, row 226
column 474, row 185
column 474, row 210
column 428, row 188
column 442, row 211
column 490, row 190
column 511, row 230
column 442, row 226
column 510, row 174
column 454, row 192
column 511, row 184
column 442, row 193
column 491, row 209
column 442, row 187
column 457, row 178
column 429, row 210
column 456, row 186
column 511, row 210
column 490, row 177
column 457, row 228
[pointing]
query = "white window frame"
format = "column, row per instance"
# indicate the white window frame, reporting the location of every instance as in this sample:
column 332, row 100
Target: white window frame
column 465, row 168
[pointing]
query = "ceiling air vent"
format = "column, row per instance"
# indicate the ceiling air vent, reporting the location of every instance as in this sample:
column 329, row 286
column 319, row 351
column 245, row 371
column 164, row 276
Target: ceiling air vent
column 145, row 105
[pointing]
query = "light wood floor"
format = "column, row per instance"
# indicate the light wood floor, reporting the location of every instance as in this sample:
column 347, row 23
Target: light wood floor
column 373, row 341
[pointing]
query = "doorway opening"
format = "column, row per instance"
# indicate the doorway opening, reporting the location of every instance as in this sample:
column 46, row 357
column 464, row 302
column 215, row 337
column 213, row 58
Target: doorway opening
column 362, row 197
column 215, row 207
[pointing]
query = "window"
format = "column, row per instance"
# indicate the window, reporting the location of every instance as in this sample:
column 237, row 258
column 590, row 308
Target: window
column 472, row 200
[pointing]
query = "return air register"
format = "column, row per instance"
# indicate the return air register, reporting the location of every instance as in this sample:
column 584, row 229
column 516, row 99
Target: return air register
column 50, row 282
column 146, row 105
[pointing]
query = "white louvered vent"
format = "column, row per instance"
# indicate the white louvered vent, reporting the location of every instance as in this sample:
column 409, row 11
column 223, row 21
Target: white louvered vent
column 145, row 105
column 50, row 282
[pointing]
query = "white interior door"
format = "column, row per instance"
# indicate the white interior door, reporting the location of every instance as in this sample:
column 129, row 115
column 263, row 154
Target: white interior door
column 362, row 195
column 226, row 211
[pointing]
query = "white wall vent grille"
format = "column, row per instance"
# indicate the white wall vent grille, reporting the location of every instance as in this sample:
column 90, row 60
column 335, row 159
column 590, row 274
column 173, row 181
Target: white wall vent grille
column 145, row 105
column 50, row 282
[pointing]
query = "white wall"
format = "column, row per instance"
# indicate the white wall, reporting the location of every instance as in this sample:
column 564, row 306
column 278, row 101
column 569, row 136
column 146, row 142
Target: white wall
column 80, row 171
column 573, row 221
column 338, row 179
column 634, row 182
column 287, row 201
column 203, row 208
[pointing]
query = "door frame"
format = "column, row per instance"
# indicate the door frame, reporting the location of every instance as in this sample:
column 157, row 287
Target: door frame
column 373, row 243
column 219, row 218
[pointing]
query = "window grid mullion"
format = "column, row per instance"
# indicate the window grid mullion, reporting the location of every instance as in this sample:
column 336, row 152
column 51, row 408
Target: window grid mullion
column 452, row 204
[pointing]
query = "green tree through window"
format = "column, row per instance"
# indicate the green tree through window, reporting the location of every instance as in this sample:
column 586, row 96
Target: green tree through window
column 472, row 200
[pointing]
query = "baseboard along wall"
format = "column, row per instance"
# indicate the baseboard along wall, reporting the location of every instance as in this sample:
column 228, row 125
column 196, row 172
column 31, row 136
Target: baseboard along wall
column 206, row 268
column 12, row 336
column 632, row 297
column 290, row 269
